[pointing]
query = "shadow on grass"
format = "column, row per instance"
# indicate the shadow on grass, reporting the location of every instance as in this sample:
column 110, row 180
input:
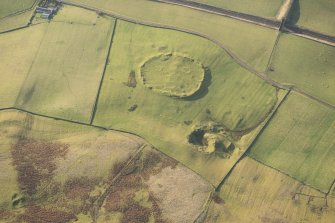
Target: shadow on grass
column 203, row 91
column 294, row 14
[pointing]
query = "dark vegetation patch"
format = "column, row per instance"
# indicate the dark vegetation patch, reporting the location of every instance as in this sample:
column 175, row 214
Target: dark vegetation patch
column 217, row 199
column 121, row 197
column 79, row 189
column 34, row 162
column 37, row 214
column 131, row 80
column 132, row 108
column 212, row 138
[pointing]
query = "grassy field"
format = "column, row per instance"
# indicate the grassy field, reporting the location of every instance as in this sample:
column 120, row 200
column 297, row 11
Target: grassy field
column 256, row 39
column 314, row 15
column 56, row 170
column 173, row 75
column 306, row 64
column 8, row 7
column 230, row 96
column 15, row 60
column 262, row 8
column 254, row 193
column 300, row 142
column 64, row 77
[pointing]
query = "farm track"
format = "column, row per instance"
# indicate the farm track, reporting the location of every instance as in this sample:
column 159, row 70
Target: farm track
column 269, row 23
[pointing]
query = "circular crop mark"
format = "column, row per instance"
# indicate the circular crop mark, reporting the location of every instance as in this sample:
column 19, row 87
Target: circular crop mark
column 173, row 75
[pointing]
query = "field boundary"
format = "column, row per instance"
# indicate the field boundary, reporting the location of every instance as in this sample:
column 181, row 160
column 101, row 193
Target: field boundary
column 288, row 175
column 95, row 105
column 242, row 63
column 100, row 200
column 256, row 20
column 268, row 66
column 21, row 11
column 267, row 121
column 120, row 131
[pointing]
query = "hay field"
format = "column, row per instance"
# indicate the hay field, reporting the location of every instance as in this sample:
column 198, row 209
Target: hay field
column 230, row 96
column 306, row 64
column 254, row 193
column 16, row 59
column 64, row 77
column 55, row 171
column 262, row 8
column 314, row 15
column 300, row 142
column 256, row 39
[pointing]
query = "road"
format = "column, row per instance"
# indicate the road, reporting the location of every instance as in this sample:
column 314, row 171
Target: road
column 269, row 23
column 230, row 53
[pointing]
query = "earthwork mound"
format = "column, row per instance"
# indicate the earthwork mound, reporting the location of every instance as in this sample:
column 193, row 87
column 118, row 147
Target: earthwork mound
column 173, row 75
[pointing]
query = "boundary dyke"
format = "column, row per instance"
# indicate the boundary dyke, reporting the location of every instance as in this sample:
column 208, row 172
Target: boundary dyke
column 96, row 101
column 273, row 24
column 242, row 63
column 267, row 121
column 120, row 131
column 21, row 11
column 286, row 174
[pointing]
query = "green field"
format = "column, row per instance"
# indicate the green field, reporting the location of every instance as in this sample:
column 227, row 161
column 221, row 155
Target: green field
column 300, row 142
column 253, row 47
column 262, row 8
column 173, row 75
column 230, row 95
column 56, row 170
column 8, row 7
column 21, row 7
column 256, row 193
column 314, row 15
column 66, row 71
column 306, row 64
column 15, row 60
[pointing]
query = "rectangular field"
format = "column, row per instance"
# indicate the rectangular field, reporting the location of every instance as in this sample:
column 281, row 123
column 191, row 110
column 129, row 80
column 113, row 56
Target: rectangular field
column 64, row 77
column 262, row 8
column 306, row 64
column 18, row 50
column 251, row 43
column 300, row 142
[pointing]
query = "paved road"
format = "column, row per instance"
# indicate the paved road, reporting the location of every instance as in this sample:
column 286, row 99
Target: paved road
column 273, row 24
